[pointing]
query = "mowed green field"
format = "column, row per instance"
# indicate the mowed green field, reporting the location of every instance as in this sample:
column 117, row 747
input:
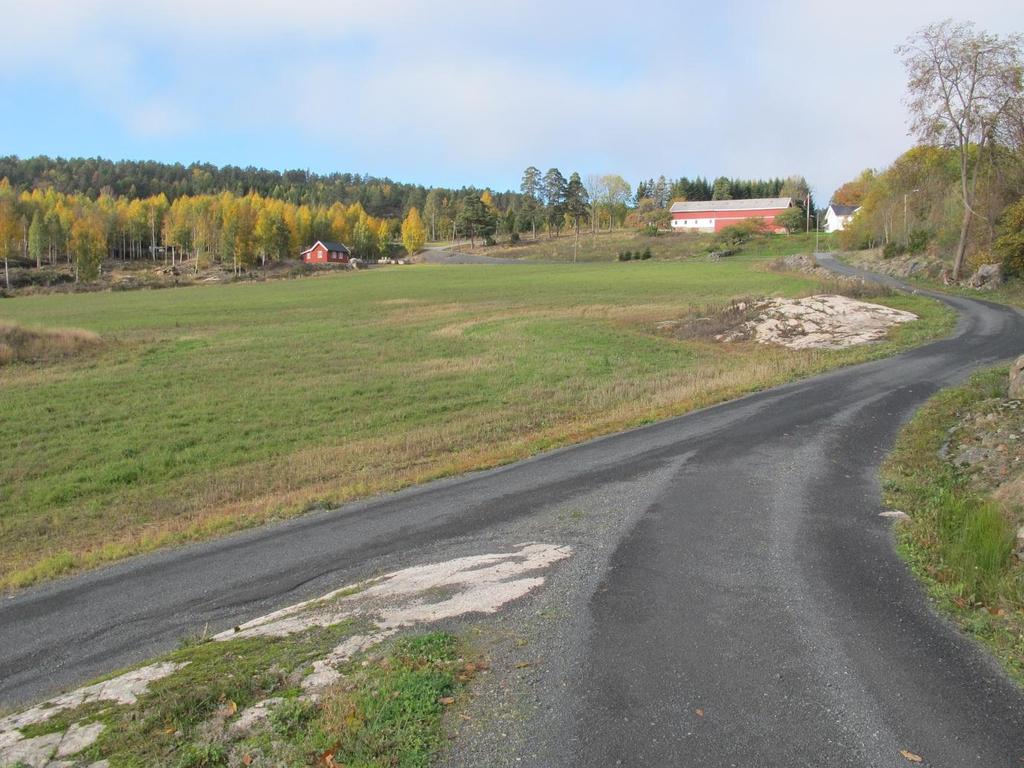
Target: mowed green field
column 212, row 408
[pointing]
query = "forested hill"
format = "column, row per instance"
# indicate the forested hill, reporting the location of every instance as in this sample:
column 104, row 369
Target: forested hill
column 144, row 178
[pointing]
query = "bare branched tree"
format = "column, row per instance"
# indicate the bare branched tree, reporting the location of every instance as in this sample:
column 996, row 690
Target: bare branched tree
column 963, row 90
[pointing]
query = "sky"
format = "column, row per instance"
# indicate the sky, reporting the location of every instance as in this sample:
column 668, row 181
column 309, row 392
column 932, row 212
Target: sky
column 454, row 93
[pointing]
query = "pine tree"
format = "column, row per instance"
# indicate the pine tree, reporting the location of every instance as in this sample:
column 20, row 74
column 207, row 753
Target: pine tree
column 576, row 202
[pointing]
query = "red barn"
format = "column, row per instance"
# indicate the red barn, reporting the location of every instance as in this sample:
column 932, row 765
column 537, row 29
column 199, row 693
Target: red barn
column 324, row 252
column 714, row 215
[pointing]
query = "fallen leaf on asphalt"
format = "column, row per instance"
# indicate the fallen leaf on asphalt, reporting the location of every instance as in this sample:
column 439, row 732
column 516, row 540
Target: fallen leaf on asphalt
column 911, row 756
column 446, row 700
column 522, row 665
column 465, row 717
column 699, row 712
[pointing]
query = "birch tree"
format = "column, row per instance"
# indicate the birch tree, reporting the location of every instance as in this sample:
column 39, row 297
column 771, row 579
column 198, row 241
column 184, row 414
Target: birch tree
column 963, row 89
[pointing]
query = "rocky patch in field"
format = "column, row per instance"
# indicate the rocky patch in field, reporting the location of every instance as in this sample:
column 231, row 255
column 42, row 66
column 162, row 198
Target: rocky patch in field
column 49, row 749
column 421, row 594
column 819, row 322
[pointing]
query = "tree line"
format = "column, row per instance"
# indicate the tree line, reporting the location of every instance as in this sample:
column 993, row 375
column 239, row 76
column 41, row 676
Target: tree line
column 46, row 227
column 663, row 191
column 96, row 177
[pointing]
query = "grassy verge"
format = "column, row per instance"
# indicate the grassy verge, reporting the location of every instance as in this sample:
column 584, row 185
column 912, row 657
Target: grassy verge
column 1011, row 292
column 222, row 407
column 387, row 709
column 960, row 540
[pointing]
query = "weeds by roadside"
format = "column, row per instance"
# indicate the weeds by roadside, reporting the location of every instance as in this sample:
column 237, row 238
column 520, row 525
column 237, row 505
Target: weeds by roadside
column 959, row 539
column 386, row 710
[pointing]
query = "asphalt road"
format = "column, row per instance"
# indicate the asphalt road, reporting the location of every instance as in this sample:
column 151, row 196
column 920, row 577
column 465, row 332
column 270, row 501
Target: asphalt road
column 749, row 577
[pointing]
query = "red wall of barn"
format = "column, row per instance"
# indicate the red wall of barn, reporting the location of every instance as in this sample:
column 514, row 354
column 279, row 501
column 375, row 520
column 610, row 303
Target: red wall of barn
column 727, row 218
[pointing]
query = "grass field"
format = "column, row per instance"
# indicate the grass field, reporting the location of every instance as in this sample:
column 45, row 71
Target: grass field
column 606, row 246
column 209, row 409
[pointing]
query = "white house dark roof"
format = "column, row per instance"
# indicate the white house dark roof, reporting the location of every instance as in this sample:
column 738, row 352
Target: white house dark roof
column 755, row 203
column 843, row 210
column 329, row 245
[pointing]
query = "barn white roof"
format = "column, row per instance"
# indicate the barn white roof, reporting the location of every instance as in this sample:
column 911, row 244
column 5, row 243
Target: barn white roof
column 755, row 203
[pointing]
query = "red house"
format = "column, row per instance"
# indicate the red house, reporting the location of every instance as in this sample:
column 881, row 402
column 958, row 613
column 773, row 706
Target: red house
column 324, row 252
column 714, row 215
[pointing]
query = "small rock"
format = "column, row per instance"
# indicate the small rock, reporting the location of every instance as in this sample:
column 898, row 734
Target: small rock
column 34, row 752
column 253, row 716
column 895, row 514
column 1016, row 391
column 78, row 737
column 988, row 276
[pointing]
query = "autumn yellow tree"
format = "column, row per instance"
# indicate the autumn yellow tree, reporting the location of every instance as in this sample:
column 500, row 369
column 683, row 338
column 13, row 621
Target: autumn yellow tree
column 88, row 245
column 414, row 233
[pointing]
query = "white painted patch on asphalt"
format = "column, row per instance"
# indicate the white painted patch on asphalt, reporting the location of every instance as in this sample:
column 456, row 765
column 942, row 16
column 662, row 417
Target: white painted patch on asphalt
column 123, row 689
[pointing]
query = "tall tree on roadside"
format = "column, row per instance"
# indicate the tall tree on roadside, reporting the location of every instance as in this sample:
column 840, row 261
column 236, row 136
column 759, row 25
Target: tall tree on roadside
column 615, row 192
column 577, row 203
column 532, row 190
column 595, row 189
column 963, row 88
column 414, row 234
column 554, row 196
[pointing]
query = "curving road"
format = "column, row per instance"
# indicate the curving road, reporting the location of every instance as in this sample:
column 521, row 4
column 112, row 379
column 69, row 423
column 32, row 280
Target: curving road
column 731, row 561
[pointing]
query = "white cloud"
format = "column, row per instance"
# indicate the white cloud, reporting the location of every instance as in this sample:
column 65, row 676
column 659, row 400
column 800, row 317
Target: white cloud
column 468, row 92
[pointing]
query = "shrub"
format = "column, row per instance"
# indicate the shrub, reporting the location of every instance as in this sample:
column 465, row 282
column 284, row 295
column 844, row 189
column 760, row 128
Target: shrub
column 203, row 756
column 918, row 241
column 289, row 717
column 646, row 254
column 892, row 249
column 736, row 234
column 489, row 240
column 651, row 229
column 514, row 237
column 793, row 219
column 1010, row 244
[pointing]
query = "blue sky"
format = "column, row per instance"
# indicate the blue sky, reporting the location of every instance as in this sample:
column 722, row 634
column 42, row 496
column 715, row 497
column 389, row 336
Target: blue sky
column 454, row 93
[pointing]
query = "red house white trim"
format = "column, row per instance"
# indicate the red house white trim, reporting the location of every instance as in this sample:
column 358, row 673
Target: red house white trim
column 715, row 215
column 322, row 252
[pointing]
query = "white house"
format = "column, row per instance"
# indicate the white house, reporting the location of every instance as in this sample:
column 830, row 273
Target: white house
column 838, row 216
